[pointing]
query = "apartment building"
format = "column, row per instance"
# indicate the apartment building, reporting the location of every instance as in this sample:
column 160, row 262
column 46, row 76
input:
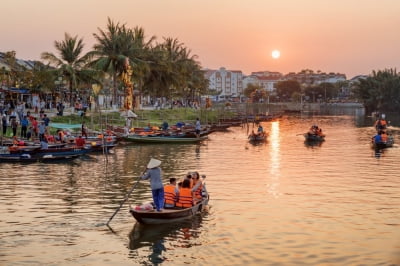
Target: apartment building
column 228, row 83
column 264, row 79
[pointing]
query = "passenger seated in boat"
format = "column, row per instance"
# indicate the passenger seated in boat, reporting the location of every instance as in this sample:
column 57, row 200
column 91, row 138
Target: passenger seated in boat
column 260, row 130
column 185, row 198
column 315, row 130
column 60, row 136
column 318, row 131
column 198, row 187
column 80, row 142
column 384, row 136
column 15, row 141
column 188, row 177
column 311, row 131
column 377, row 138
column 50, row 138
column 165, row 126
column 43, row 143
column 148, row 128
column 170, row 193
column 179, row 125
column 380, row 124
column 253, row 134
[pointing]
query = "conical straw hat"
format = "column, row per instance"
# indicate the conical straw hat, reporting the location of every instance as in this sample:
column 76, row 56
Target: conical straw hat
column 153, row 163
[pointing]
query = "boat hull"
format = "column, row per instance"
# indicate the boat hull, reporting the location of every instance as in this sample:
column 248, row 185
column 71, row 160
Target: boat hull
column 31, row 158
column 167, row 215
column 383, row 145
column 258, row 138
column 311, row 137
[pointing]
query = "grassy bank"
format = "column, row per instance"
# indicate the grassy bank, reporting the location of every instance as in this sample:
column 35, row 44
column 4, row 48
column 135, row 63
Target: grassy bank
column 98, row 121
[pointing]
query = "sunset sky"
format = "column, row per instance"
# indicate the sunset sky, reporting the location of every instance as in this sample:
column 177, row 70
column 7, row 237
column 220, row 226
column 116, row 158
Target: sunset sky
column 346, row 36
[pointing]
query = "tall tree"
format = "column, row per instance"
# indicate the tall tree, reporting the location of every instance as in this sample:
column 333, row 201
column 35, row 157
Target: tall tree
column 175, row 72
column 287, row 88
column 114, row 45
column 380, row 91
column 70, row 63
column 250, row 89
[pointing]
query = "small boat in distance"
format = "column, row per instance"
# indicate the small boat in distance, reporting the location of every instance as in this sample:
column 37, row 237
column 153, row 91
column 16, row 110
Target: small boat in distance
column 314, row 134
column 314, row 137
column 262, row 136
column 382, row 140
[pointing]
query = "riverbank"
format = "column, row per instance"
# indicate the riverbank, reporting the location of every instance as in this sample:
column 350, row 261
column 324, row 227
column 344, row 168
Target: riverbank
column 98, row 120
column 153, row 116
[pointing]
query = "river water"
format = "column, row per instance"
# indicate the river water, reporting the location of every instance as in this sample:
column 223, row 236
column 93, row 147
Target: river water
column 278, row 203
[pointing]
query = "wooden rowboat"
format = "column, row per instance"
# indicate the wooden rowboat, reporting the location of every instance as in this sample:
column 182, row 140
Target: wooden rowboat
column 258, row 137
column 168, row 215
column 163, row 139
column 383, row 145
column 314, row 137
column 31, row 158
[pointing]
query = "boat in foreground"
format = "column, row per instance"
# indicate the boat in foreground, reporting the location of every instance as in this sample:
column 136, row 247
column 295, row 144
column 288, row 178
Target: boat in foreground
column 169, row 215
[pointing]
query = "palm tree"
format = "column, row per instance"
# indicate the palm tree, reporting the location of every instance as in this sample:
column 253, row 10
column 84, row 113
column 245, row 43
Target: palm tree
column 107, row 53
column 115, row 45
column 70, row 64
column 174, row 72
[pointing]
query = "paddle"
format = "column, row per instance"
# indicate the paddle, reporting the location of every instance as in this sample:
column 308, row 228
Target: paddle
column 126, row 198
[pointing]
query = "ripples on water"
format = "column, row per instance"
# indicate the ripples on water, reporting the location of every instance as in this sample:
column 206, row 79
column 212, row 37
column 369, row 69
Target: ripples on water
column 281, row 202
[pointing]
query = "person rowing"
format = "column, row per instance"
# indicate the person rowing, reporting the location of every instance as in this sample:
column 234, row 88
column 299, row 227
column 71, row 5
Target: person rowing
column 154, row 173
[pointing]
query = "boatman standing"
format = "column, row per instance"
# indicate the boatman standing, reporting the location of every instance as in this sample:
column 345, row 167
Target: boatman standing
column 154, row 173
column 198, row 127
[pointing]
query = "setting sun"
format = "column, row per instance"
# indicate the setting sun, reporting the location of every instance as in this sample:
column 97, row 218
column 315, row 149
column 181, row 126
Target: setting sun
column 275, row 54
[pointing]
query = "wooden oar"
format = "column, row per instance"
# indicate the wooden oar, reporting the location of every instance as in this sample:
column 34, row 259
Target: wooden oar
column 126, row 198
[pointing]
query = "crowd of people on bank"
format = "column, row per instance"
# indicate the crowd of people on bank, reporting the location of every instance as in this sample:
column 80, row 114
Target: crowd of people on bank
column 183, row 193
column 26, row 126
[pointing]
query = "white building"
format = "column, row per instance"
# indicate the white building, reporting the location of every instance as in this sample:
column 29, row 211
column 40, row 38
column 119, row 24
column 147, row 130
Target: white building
column 309, row 77
column 228, row 83
column 264, row 79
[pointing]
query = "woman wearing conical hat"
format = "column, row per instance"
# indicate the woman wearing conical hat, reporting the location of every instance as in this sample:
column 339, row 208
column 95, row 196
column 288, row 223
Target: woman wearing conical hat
column 154, row 173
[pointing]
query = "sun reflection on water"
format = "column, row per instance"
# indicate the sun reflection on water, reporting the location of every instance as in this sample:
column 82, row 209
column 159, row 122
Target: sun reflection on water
column 274, row 168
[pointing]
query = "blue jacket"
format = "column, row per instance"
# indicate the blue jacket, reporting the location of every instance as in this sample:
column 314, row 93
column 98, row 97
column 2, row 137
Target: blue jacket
column 155, row 176
column 378, row 138
column 24, row 122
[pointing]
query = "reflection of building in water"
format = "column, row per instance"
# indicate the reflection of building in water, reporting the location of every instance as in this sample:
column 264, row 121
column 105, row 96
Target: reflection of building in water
column 153, row 240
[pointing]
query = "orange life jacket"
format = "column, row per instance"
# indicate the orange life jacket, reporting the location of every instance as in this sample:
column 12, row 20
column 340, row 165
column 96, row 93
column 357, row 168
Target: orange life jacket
column 185, row 199
column 384, row 137
column 197, row 193
column 169, row 194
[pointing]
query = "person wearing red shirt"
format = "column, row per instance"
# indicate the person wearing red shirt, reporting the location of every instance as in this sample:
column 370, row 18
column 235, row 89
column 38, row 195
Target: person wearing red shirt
column 80, row 142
